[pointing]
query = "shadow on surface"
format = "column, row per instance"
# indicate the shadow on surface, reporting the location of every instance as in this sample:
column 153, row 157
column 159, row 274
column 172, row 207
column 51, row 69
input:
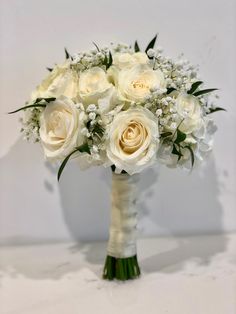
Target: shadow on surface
column 171, row 203
column 199, row 250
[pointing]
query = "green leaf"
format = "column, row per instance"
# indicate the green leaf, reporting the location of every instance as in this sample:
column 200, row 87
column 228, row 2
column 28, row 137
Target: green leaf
column 211, row 110
column 67, row 53
column 194, row 87
column 151, row 44
column 205, row 91
column 166, row 134
column 180, row 137
column 48, row 100
column 105, row 60
column 27, row 107
column 191, row 154
column 176, row 151
column 136, row 46
column 96, row 46
column 170, row 90
column 83, row 149
column 110, row 60
column 113, row 168
column 35, row 104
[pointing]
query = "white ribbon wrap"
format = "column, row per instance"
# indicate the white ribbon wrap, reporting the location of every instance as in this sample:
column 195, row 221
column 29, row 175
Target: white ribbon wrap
column 122, row 240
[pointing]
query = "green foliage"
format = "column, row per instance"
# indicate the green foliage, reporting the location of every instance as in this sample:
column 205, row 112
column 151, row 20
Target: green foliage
column 204, row 91
column 82, row 149
column 27, row 107
column 67, row 55
column 194, row 87
column 211, row 110
column 39, row 102
column 177, row 147
column 48, row 100
column 180, row 137
column 108, row 60
column 166, row 134
column 96, row 46
column 121, row 268
column 113, row 169
column 191, row 154
column 151, row 44
column 170, row 90
column 176, row 150
column 136, row 46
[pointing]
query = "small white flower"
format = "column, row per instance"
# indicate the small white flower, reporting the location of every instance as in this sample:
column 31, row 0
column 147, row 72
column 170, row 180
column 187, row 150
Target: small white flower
column 151, row 53
column 163, row 121
column 159, row 112
column 173, row 125
column 80, row 106
column 96, row 156
column 148, row 105
column 174, row 116
column 92, row 115
column 94, row 149
column 93, row 122
column 91, row 108
column 164, row 102
column 153, row 89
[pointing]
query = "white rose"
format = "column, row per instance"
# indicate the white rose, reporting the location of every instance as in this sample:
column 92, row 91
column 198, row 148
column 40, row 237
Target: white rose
column 125, row 59
column 135, row 84
column 133, row 140
column 62, row 81
column 189, row 110
column 94, row 85
column 60, row 128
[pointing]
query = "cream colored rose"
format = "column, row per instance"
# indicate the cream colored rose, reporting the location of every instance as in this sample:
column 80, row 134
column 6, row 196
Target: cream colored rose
column 60, row 126
column 133, row 140
column 134, row 84
column 190, row 112
column 62, row 81
column 94, row 85
column 125, row 59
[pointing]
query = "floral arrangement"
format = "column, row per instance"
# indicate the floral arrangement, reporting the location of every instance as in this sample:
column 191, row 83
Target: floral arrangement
column 118, row 106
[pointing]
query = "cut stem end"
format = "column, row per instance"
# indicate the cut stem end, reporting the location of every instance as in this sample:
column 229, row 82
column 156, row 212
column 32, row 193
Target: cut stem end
column 121, row 268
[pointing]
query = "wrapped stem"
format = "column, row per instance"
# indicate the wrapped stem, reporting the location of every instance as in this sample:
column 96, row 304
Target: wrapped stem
column 121, row 262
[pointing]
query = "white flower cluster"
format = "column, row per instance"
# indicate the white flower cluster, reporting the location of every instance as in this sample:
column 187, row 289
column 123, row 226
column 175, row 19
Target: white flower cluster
column 117, row 106
column 30, row 124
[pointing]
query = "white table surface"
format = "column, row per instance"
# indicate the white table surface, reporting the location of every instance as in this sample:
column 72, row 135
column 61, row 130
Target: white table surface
column 185, row 275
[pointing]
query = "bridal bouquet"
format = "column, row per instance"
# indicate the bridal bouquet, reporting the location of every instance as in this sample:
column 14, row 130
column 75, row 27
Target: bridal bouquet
column 128, row 109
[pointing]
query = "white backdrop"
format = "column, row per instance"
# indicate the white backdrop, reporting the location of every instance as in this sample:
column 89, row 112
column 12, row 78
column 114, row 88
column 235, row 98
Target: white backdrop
column 34, row 207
